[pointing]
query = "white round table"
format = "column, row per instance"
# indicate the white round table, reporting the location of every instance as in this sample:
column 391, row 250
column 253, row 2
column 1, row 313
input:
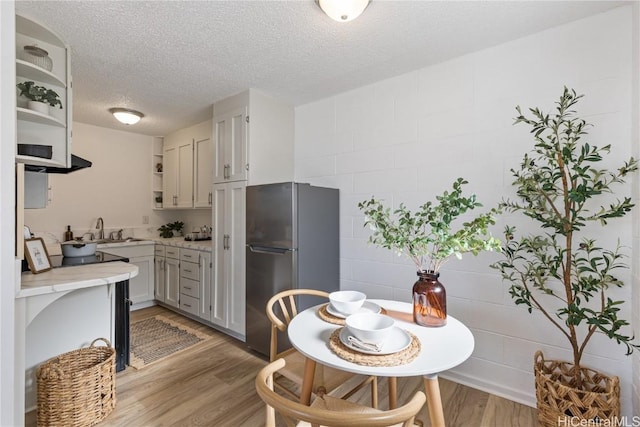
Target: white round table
column 442, row 348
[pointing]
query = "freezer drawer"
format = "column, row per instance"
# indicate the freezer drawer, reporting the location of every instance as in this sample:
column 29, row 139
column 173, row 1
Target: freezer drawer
column 268, row 272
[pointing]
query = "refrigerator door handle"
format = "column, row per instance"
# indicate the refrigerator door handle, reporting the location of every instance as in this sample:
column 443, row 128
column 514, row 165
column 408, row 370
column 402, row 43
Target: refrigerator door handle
column 269, row 250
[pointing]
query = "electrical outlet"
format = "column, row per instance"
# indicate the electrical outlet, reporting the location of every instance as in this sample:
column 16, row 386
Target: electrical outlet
column 145, row 219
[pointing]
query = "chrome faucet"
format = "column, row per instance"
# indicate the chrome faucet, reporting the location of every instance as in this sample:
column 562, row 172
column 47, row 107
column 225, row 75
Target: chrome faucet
column 100, row 227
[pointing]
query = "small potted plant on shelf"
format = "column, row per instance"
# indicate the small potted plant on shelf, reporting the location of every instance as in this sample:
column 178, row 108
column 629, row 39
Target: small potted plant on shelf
column 429, row 239
column 158, row 200
column 40, row 97
column 561, row 272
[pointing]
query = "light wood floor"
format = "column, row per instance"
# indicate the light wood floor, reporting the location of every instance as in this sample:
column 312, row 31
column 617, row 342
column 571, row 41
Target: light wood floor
column 213, row 385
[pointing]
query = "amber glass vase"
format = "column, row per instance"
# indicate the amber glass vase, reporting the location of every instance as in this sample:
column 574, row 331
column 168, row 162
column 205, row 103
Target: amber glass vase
column 429, row 300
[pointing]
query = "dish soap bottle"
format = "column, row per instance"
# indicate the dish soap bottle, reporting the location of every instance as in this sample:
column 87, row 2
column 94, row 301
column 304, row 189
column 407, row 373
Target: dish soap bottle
column 68, row 235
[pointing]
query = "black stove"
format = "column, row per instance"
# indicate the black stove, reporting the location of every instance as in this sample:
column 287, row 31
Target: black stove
column 99, row 257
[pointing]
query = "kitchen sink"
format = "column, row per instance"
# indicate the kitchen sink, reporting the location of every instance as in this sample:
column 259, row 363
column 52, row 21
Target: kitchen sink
column 127, row 240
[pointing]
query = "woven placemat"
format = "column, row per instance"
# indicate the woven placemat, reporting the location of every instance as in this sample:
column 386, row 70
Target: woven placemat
column 395, row 359
column 328, row 317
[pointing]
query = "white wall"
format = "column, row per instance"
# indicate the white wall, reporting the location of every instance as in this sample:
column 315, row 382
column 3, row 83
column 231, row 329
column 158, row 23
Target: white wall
column 117, row 187
column 407, row 138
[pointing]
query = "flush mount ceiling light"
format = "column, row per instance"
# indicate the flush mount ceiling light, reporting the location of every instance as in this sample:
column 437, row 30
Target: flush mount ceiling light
column 343, row 10
column 126, row 116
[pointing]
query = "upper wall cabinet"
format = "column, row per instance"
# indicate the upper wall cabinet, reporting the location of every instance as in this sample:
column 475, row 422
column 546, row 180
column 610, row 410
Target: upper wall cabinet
column 253, row 139
column 44, row 131
column 187, row 168
column 203, row 172
column 230, row 133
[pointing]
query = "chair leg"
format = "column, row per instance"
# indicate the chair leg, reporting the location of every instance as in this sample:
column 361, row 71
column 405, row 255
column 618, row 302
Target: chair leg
column 393, row 392
column 374, row 392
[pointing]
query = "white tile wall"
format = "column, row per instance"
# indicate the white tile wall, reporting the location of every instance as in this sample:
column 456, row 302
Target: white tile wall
column 407, row 138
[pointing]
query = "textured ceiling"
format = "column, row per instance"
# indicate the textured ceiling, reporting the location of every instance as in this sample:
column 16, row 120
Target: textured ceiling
column 173, row 59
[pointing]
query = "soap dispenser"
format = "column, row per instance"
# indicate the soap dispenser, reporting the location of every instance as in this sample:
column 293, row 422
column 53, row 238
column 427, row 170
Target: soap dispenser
column 68, row 235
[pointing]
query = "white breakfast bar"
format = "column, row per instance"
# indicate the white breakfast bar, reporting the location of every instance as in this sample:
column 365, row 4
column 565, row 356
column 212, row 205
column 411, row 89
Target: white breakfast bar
column 61, row 310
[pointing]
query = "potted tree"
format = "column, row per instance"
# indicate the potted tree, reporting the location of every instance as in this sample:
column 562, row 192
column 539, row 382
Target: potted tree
column 430, row 237
column 562, row 272
column 40, row 97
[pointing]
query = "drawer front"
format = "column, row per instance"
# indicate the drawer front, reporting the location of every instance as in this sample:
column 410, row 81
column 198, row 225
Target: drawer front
column 159, row 251
column 189, row 287
column 189, row 304
column 189, row 270
column 189, row 255
column 171, row 252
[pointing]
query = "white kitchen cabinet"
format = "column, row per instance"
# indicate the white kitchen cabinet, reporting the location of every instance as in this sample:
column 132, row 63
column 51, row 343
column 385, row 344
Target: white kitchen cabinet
column 141, row 287
column 203, row 173
column 159, row 273
column 187, row 168
column 253, row 139
column 230, row 133
column 228, row 295
column 52, row 129
column 172, row 276
column 178, row 176
column 195, row 283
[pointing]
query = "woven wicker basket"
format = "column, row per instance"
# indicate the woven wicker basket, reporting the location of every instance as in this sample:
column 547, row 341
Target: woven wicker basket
column 77, row 388
column 558, row 401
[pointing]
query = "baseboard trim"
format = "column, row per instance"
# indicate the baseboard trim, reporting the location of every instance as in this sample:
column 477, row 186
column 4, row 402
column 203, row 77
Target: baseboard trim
column 519, row 396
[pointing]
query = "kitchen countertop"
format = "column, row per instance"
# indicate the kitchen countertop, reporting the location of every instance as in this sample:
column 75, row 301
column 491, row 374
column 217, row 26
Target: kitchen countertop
column 201, row 245
column 72, row 278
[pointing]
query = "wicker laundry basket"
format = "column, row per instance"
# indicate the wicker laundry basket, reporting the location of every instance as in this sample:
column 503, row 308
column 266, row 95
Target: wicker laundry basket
column 77, row 388
column 559, row 403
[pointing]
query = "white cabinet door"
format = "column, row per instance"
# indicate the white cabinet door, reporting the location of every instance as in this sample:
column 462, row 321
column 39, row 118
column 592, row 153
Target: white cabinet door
column 228, row 295
column 141, row 287
column 230, row 146
column 236, row 257
column 177, row 181
column 159, row 278
column 218, row 291
column 206, row 283
column 203, row 173
column 172, row 281
column 184, row 196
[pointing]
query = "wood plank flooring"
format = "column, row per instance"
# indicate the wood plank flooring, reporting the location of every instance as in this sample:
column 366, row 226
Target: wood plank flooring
column 213, row 385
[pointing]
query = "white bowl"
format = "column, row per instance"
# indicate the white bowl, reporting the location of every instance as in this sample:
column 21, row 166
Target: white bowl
column 370, row 327
column 347, row 302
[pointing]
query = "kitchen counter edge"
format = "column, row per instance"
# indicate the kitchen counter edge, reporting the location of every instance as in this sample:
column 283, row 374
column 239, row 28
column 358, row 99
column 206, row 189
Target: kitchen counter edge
column 72, row 278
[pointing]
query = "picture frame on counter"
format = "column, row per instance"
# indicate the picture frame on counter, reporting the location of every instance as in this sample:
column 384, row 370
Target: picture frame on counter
column 37, row 255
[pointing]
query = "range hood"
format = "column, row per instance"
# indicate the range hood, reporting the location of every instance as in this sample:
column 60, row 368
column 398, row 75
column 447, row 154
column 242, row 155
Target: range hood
column 77, row 163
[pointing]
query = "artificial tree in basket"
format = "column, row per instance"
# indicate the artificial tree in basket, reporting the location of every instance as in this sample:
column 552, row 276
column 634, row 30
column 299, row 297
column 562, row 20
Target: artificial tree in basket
column 431, row 236
column 562, row 272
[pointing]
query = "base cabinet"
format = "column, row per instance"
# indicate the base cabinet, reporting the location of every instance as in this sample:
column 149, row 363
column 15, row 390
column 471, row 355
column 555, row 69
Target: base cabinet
column 184, row 280
column 141, row 287
column 172, row 276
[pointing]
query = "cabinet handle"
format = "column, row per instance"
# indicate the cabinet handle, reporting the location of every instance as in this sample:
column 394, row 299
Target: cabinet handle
column 210, row 198
column 186, row 271
column 186, row 305
column 188, row 287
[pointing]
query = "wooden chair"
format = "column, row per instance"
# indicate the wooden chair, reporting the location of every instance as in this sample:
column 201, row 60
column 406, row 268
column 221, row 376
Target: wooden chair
column 328, row 378
column 329, row 411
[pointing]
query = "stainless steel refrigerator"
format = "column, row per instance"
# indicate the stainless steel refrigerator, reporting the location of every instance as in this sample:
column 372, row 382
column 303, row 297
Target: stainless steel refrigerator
column 292, row 242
